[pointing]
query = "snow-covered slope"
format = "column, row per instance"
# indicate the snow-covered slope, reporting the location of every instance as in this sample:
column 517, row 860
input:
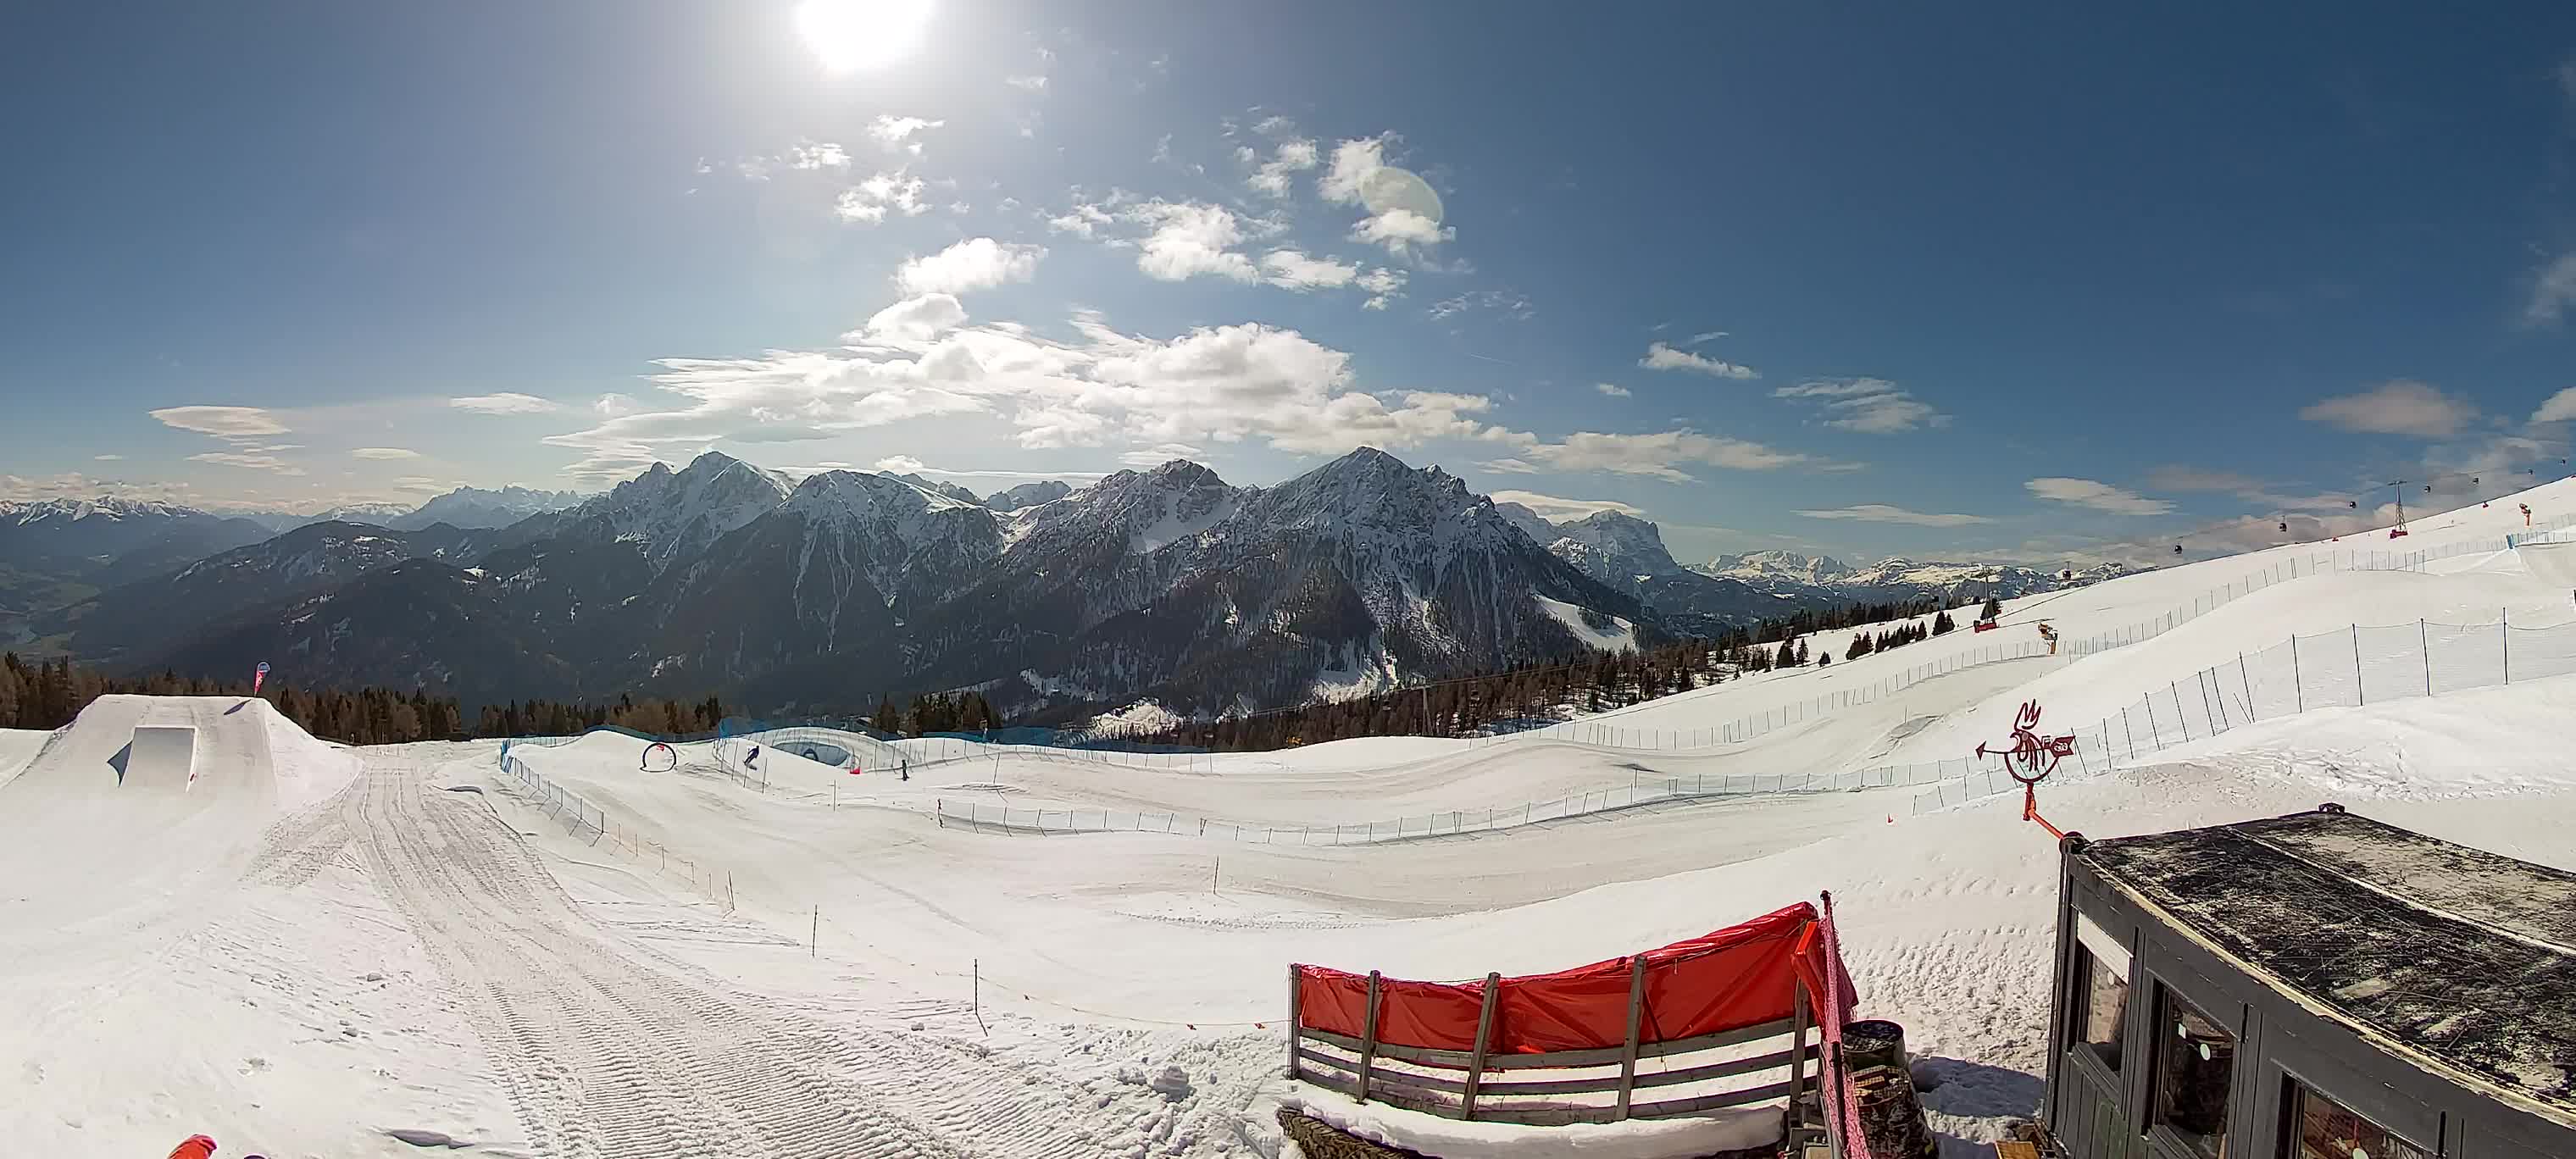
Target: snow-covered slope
column 814, row 964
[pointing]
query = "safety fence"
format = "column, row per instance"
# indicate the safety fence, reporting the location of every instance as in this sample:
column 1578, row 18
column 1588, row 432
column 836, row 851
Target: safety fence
column 1642, row 791
column 2360, row 665
column 580, row 817
column 1722, row 1019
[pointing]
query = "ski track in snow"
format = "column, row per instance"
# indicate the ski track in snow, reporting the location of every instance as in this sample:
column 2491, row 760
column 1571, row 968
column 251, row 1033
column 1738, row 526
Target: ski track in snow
column 609, row 1049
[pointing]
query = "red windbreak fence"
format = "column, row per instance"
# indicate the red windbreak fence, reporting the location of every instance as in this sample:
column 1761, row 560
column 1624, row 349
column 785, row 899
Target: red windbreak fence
column 1721, row 1021
column 1740, row 976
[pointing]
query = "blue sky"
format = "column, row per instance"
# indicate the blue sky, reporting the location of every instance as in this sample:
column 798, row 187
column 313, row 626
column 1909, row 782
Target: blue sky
column 2044, row 285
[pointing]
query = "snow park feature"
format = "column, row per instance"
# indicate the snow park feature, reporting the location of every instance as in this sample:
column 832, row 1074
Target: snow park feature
column 161, row 755
column 2391, row 995
column 326, row 950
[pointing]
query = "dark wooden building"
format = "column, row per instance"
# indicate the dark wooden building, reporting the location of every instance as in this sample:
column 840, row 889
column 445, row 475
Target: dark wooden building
column 2316, row 986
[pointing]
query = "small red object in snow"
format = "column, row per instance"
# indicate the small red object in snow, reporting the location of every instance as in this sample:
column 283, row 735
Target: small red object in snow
column 197, row 1147
column 1983, row 626
column 2396, row 533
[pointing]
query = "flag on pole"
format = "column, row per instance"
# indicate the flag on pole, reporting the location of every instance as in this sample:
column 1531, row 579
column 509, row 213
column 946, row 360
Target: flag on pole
column 258, row 676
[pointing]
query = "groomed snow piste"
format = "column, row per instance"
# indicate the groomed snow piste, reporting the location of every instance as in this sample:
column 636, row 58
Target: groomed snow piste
column 316, row 950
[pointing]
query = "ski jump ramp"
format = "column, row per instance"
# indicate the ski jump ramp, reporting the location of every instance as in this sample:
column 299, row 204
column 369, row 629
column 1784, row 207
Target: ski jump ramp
column 2550, row 563
column 162, row 756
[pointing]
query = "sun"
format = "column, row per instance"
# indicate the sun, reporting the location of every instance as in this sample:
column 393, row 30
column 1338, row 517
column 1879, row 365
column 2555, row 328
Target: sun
column 848, row 35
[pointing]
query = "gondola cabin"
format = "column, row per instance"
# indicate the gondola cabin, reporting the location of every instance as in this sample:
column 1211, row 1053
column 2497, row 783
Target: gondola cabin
column 2316, row 986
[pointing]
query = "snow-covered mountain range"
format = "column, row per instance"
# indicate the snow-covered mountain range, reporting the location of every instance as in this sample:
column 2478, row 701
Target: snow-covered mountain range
column 1803, row 577
column 825, row 593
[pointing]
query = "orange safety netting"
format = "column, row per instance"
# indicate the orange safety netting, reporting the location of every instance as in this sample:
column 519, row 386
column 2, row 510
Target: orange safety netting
column 1743, row 975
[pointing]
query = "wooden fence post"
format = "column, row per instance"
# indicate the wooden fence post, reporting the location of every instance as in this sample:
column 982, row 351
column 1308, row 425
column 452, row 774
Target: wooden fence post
column 1484, row 1041
column 1295, row 1024
column 1368, row 1038
column 1797, row 1051
column 1636, row 1016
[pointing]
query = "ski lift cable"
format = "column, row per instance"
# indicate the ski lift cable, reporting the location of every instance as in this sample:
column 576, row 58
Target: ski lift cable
column 2352, row 502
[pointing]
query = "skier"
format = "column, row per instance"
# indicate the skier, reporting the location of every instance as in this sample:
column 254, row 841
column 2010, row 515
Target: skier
column 2526, row 513
column 2049, row 634
column 751, row 760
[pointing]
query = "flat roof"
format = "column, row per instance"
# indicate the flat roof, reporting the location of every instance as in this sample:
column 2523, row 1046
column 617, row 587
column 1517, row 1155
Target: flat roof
column 2461, row 955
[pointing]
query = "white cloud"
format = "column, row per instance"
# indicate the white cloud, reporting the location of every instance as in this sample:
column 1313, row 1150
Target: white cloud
column 1032, row 83
column 818, row 155
column 978, row 263
column 223, row 422
column 1383, row 285
column 2553, row 289
column 1083, row 220
column 917, row 319
column 1190, row 239
column 1882, row 513
column 613, row 405
column 1156, row 456
column 1870, row 405
column 2559, row 408
column 107, row 458
column 2096, row 495
column 1510, row 466
column 1503, row 302
column 383, row 453
column 895, row 132
column 74, row 485
column 1703, row 336
column 1611, row 390
column 2396, row 407
column 1275, row 176
column 869, row 201
column 1402, row 231
column 1209, row 386
column 1654, row 455
column 1663, row 356
column 1552, row 508
column 251, row 461
column 504, row 404
column 1296, row 271
column 1354, row 162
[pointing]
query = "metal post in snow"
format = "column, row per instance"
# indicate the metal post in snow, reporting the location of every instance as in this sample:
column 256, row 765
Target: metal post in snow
column 2247, row 683
column 2298, row 687
column 2360, row 691
column 2504, row 630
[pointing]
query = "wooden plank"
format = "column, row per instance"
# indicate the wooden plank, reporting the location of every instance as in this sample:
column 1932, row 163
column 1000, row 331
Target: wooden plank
column 1715, row 1070
column 1293, row 988
column 1484, row 1037
column 1692, row 1106
column 1604, row 1056
column 1368, row 1039
column 1636, row 1020
column 1797, row 1044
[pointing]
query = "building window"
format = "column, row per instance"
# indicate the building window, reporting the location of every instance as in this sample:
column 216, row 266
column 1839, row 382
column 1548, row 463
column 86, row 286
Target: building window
column 2195, row 1061
column 2324, row 1129
column 2102, row 995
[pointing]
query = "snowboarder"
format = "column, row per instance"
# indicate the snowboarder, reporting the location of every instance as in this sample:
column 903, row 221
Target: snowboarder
column 2526, row 513
column 751, row 760
column 2049, row 635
